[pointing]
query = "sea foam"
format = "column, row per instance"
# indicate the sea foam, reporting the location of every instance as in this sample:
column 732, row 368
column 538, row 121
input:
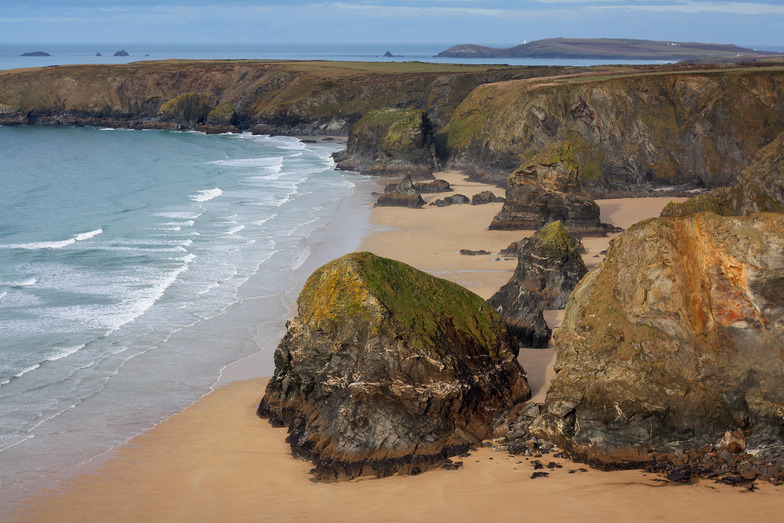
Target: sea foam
column 206, row 195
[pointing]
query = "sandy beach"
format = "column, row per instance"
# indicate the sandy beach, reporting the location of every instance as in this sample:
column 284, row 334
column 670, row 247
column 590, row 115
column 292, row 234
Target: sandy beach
column 217, row 461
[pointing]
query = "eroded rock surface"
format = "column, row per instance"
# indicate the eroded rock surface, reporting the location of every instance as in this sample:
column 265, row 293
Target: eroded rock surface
column 403, row 194
column 390, row 142
column 547, row 191
column 548, row 269
column 389, row 370
column 759, row 189
column 675, row 339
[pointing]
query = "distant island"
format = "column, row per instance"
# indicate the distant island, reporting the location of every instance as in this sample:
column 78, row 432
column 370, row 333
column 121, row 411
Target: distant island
column 609, row 49
column 121, row 52
column 36, row 53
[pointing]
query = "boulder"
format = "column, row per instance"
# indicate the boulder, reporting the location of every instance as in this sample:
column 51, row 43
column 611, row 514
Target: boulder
column 433, row 187
column 455, row 199
column 402, row 194
column 548, row 269
column 675, row 339
column 549, row 190
column 760, row 188
column 387, row 370
column 486, row 197
column 390, row 142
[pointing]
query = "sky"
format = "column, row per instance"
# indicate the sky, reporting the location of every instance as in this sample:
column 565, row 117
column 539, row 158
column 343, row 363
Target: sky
column 490, row 22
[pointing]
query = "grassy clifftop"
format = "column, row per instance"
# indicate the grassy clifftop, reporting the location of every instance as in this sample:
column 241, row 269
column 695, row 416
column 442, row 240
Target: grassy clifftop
column 268, row 96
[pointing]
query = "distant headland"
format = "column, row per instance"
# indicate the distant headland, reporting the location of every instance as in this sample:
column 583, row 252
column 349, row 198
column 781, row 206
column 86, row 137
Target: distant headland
column 610, row 49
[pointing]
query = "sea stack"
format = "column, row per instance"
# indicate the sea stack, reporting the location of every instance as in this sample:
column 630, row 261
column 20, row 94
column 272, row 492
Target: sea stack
column 549, row 190
column 387, row 370
column 673, row 341
column 548, row 269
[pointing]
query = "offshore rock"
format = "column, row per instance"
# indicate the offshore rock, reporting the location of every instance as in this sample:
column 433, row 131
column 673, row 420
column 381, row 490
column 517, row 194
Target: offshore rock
column 390, row 142
column 402, row 194
column 389, row 370
column 547, row 191
column 672, row 341
column 548, row 269
column 759, row 189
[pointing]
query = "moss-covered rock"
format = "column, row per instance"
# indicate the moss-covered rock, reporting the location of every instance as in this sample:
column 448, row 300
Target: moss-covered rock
column 548, row 269
column 391, row 142
column 189, row 109
column 222, row 114
column 672, row 341
column 389, row 370
column 549, row 190
column 759, row 189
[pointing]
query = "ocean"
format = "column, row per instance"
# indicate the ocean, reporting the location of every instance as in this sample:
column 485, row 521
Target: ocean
column 135, row 265
column 62, row 54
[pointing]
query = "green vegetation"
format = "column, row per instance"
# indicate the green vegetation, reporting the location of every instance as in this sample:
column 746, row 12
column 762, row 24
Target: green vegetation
column 424, row 306
column 554, row 241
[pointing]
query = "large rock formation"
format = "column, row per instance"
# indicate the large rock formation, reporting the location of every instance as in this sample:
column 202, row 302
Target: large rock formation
column 675, row 339
column 403, row 194
column 389, row 370
column 390, row 142
column 760, row 189
column 549, row 190
column 548, row 269
column 630, row 132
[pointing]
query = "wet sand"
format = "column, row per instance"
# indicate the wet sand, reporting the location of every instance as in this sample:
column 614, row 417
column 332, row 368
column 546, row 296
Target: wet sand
column 217, row 461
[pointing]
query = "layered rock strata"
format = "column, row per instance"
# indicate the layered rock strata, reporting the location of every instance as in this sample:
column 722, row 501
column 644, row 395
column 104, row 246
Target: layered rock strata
column 675, row 339
column 759, row 189
column 549, row 190
column 390, row 142
column 389, row 370
column 548, row 269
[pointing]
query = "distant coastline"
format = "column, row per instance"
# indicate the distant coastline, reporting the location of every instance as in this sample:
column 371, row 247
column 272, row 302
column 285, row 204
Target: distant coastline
column 609, row 49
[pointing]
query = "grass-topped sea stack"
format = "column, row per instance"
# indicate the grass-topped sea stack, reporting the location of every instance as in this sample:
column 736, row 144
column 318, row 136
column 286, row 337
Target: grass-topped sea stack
column 387, row 370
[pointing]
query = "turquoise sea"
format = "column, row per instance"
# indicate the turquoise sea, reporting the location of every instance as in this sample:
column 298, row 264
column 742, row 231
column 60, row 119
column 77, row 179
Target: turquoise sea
column 135, row 265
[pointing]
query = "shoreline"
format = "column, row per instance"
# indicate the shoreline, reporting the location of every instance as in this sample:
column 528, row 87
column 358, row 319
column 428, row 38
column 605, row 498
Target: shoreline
column 216, row 459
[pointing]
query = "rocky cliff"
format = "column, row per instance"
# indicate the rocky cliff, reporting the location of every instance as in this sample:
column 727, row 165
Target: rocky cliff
column 389, row 370
column 675, row 339
column 760, row 189
column 295, row 98
column 549, row 190
column 630, row 132
column 391, row 142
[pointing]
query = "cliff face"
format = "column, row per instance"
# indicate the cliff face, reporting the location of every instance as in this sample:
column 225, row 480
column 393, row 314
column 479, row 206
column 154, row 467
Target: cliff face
column 673, row 340
column 760, row 189
column 391, row 142
column 389, row 370
column 629, row 133
column 303, row 98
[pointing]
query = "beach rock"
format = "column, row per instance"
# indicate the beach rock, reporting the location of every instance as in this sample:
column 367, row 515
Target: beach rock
column 469, row 252
column 387, row 370
column 433, row 187
column 390, row 142
column 486, row 197
column 760, row 188
column 546, row 191
column 402, row 194
column 457, row 199
column 548, row 269
column 672, row 341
